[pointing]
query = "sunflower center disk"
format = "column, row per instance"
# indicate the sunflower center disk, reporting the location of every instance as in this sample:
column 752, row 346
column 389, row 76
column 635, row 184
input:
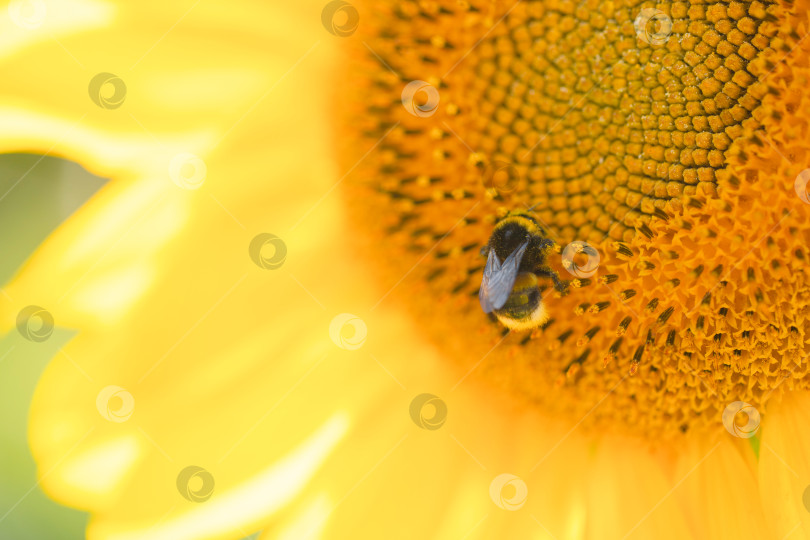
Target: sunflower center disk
column 625, row 125
column 609, row 112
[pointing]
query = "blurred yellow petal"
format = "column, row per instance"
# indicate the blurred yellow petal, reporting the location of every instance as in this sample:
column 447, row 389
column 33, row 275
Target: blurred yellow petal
column 91, row 476
column 784, row 467
column 630, row 496
column 243, row 505
column 133, row 256
column 28, row 23
column 720, row 495
column 301, row 525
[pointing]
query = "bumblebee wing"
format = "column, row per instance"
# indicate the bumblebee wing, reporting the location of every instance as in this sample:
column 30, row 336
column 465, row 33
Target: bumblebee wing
column 499, row 279
column 484, row 296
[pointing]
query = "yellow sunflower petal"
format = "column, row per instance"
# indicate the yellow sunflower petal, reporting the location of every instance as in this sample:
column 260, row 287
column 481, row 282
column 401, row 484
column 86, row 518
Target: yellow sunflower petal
column 248, row 108
column 465, row 480
column 630, row 496
column 784, row 466
column 717, row 487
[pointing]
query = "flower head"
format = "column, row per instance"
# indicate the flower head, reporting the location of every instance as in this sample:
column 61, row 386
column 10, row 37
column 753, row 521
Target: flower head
column 275, row 295
column 674, row 159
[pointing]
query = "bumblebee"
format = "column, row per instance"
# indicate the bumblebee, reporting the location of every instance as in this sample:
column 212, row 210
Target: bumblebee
column 510, row 289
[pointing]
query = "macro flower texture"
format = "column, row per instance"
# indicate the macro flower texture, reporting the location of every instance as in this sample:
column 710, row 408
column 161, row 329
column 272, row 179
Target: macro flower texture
column 423, row 269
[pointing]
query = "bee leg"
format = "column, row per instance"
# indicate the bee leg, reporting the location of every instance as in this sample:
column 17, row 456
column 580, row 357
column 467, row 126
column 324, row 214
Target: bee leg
column 559, row 285
column 546, row 243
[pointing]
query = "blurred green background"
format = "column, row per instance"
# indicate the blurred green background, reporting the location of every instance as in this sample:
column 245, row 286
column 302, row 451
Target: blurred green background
column 37, row 193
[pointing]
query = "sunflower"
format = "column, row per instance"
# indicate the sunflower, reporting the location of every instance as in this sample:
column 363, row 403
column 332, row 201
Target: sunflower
column 274, row 297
